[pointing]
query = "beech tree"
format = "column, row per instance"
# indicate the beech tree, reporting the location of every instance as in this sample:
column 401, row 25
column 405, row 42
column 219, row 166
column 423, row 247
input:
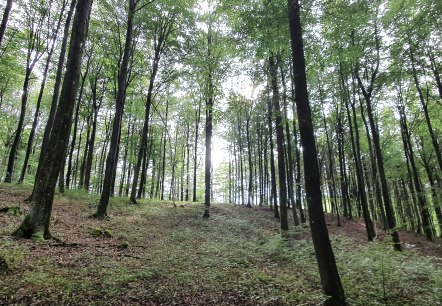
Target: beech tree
column 37, row 221
column 331, row 282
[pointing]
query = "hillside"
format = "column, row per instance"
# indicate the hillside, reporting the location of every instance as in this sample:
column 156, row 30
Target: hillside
column 155, row 254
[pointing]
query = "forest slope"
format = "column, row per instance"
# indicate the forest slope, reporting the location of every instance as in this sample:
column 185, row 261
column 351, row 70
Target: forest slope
column 155, row 254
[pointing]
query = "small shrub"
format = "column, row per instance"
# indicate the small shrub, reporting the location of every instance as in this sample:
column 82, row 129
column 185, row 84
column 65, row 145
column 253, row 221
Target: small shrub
column 98, row 232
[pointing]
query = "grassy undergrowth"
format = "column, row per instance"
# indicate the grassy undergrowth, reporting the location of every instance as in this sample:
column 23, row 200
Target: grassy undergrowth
column 161, row 255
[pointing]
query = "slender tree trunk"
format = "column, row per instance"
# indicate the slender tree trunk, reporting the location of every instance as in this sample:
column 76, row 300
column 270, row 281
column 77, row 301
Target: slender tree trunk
column 328, row 271
column 58, row 82
column 37, row 221
column 435, row 71
column 240, row 158
column 187, row 163
column 163, row 164
column 143, row 141
column 5, row 18
column 208, row 161
column 249, row 150
column 272, row 159
column 380, row 165
column 297, row 163
column 354, row 135
column 290, row 170
column 111, row 160
column 330, row 174
column 18, row 132
column 95, row 109
column 280, row 144
column 195, row 155
column 409, row 154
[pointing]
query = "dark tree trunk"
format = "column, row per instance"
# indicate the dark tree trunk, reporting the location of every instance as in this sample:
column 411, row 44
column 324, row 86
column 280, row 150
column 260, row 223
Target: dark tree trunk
column 209, row 95
column 435, row 71
column 145, row 165
column 195, row 153
column 342, row 171
column 58, row 81
column 163, row 163
column 328, row 271
column 5, row 18
column 74, row 135
column 85, row 154
column 273, row 192
column 280, row 144
column 290, row 170
column 96, row 104
column 437, row 200
column 143, row 141
column 187, row 162
column 240, row 158
column 297, row 154
column 111, row 160
column 409, row 154
column 330, row 173
column 380, row 165
column 37, row 221
column 354, row 135
column 249, row 151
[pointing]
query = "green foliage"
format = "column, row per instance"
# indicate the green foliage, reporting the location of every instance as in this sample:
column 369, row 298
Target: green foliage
column 11, row 256
column 100, row 232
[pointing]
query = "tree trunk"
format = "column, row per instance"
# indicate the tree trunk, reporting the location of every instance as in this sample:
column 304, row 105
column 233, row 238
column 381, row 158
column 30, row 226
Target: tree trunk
column 380, row 165
column 96, row 104
column 37, row 221
column 163, row 164
column 143, row 141
column 356, row 148
column 280, row 144
column 111, row 160
column 57, row 85
column 5, row 18
column 273, row 192
column 328, row 271
column 195, row 155
column 18, row 132
column 408, row 150
column 290, row 170
column 249, row 151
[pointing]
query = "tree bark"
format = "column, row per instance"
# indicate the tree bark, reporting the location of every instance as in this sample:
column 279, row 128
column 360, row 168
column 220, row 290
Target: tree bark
column 5, row 18
column 195, row 145
column 279, row 144
column 273, row 192
column 111, row 160
column 37, row 221
column 354, row 135
column 328, row 271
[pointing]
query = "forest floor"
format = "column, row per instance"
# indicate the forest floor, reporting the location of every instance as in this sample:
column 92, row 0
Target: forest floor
column 155, row 254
